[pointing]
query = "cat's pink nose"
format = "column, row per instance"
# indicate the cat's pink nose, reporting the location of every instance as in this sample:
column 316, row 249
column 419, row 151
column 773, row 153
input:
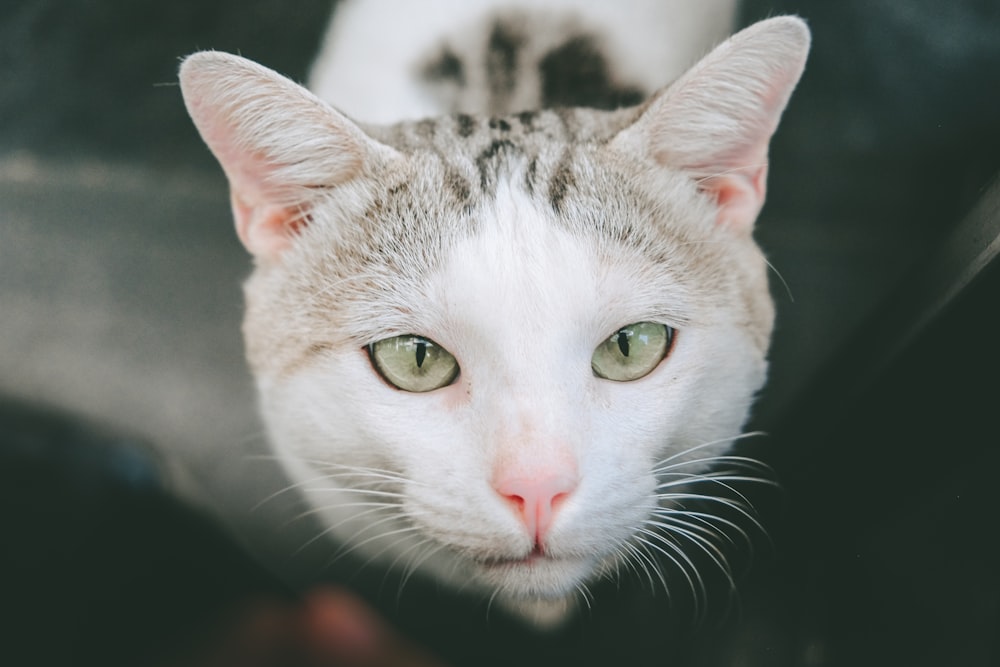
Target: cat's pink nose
column 536, row 499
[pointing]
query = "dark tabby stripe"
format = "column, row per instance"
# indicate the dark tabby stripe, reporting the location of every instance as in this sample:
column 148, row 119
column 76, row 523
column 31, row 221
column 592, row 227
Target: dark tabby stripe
column 576, row 73
column 527, row 120
column 459, row 187
column 503, row 49
column 500, row 124
column 488, row 162
column 466, row 125
column 562, row 182
column 446, row 67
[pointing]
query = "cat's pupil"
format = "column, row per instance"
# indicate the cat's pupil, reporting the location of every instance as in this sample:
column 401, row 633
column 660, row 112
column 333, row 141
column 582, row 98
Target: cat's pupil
column 622, row 337
column 421, row 353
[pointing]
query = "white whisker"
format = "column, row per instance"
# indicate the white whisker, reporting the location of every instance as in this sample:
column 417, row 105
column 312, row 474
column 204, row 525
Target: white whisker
column 676, row 555
column 744, row 509
column 326, row 509
column 585, row 594
column 788, row 289
column 638, row 560
column 737, row 462
column 332, row 528
column 709, row 524
column 353, row 545
column 705, row 445
column 430, row 549
column 732, row 170
column 708, row 547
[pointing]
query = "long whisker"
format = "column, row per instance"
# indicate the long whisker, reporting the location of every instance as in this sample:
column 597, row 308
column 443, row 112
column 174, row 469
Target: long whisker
column 709, row 524
column 711, row 443
column 415, row 563
column 690, row 484
column 727, row 522
column 732, row 170
column 738, row 462
column 707, row 546
column 353, row 546
column 330, row 529
column 364, row 471
column 585, row 594
column 638, row 559
column 743, row 509
column 781, row 278
column 374, row 506
column 676, row 555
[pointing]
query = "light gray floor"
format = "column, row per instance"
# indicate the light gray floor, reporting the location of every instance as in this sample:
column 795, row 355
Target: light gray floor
column 120, row 300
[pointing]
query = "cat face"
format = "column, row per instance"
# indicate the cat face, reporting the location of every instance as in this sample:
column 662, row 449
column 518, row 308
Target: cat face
column 524, row 304
column 483, row 345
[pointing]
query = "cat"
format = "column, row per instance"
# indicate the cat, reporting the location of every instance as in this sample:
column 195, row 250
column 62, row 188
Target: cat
column 501, row 345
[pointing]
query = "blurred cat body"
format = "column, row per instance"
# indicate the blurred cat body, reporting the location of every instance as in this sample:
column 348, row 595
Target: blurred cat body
column 495, row 57
column 492, row 344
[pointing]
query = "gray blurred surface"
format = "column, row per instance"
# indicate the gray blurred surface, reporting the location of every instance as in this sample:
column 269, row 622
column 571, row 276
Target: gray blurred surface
column 120, row 296
column 121, row 302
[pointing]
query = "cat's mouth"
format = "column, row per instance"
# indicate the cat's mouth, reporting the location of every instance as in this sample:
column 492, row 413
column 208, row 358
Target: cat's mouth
column 535, row 557
column 536, row 576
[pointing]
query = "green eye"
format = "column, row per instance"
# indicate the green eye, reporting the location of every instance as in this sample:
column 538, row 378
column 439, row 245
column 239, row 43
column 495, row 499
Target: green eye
column 413, row 363
column 632, row 352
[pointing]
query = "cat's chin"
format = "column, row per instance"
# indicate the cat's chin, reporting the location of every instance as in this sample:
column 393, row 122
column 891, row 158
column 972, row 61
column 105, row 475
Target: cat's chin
column 542, row 613
column 540, row 590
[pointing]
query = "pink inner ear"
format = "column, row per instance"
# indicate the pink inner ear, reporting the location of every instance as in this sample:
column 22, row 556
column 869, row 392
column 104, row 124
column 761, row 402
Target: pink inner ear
column 265, row 223
column 276, row 142
column 266, row 230
column 739, row 196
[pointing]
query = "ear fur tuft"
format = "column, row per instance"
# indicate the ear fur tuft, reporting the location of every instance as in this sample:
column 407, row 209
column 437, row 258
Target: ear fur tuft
column 716, row 121
column 277, row 143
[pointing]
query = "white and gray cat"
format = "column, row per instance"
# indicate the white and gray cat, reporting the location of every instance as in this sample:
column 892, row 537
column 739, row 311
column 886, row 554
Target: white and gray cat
column 503, row 345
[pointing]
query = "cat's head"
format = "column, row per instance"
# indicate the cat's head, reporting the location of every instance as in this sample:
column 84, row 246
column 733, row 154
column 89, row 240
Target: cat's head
column 483, row 345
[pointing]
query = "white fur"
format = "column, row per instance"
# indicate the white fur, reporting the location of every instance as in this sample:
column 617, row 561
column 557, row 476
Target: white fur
column 522, row 307
column 366, row 65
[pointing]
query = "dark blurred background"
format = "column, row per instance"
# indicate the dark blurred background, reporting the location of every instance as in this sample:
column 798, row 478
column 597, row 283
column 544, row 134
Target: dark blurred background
column 120, row 304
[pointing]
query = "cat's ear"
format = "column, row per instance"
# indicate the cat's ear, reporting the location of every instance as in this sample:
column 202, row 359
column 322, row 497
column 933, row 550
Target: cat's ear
column 280, row 146
column 715, row 121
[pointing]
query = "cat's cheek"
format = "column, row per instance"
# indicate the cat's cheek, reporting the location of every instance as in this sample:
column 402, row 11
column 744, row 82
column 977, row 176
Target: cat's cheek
column 643, row 413
column 456, row 396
